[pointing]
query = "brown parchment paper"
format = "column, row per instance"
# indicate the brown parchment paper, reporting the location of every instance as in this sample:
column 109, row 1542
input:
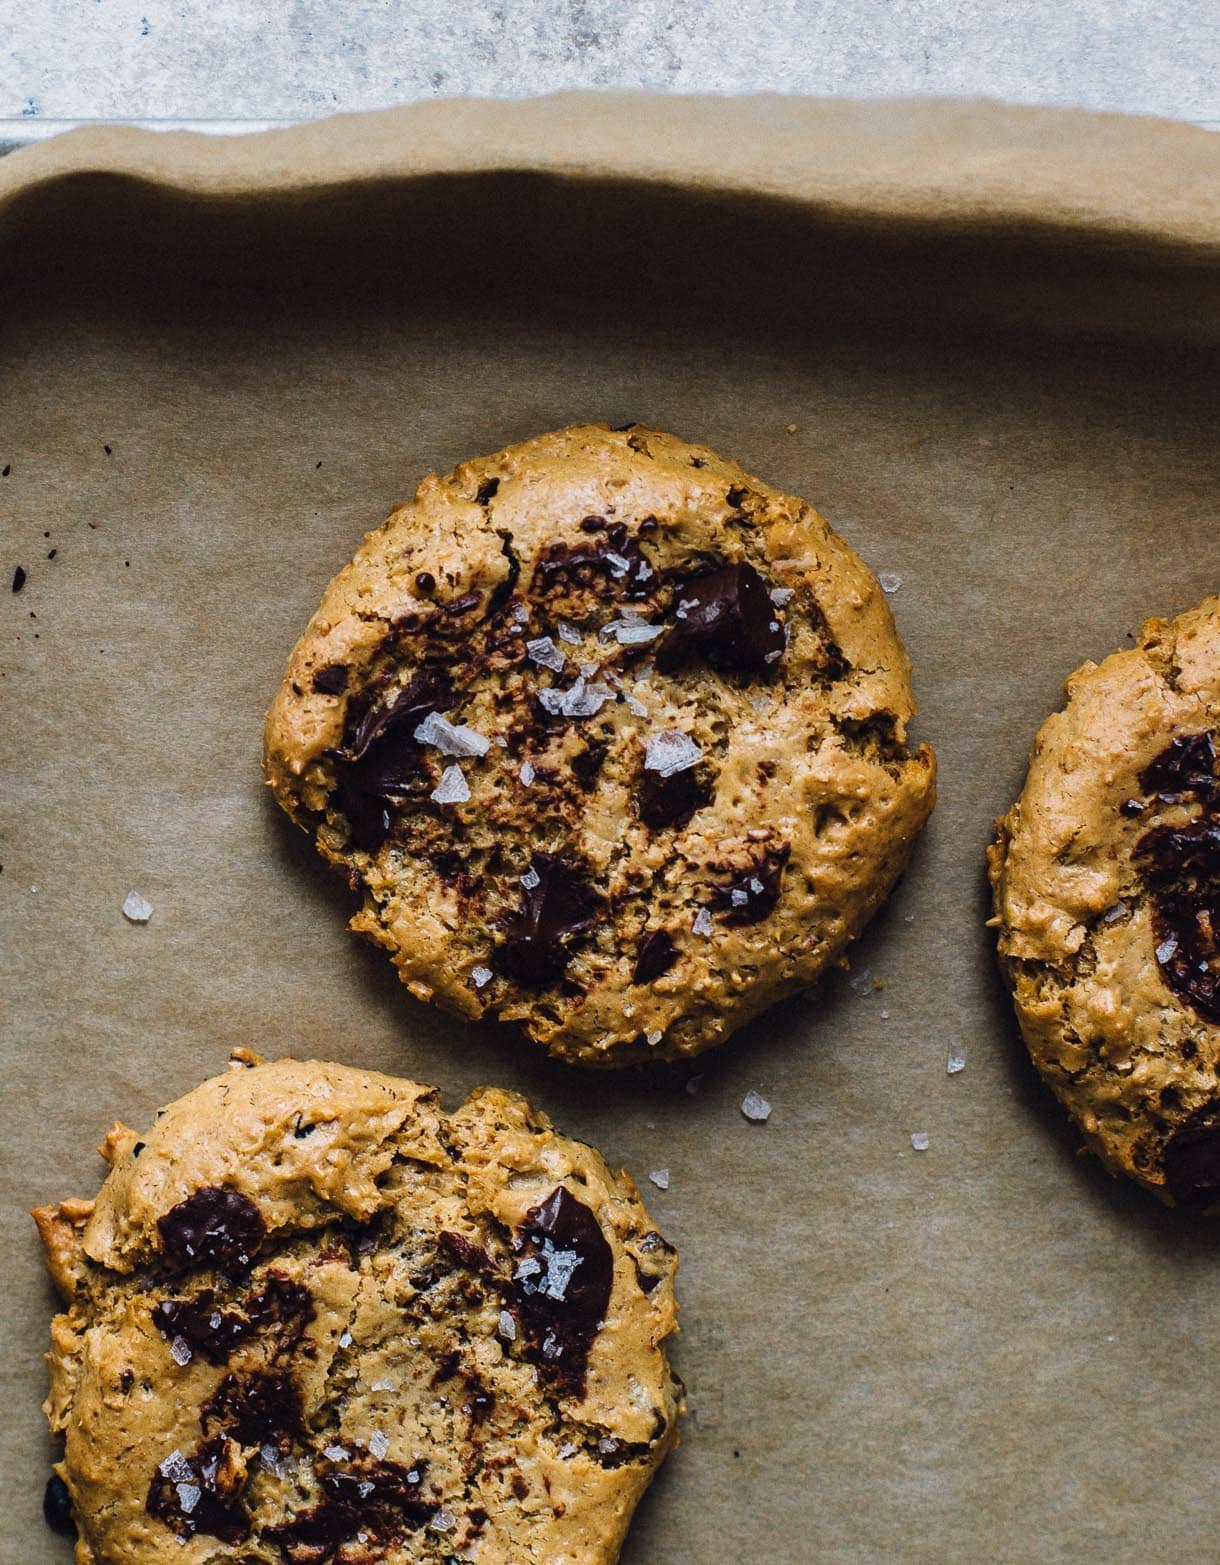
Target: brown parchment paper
column 992, row 331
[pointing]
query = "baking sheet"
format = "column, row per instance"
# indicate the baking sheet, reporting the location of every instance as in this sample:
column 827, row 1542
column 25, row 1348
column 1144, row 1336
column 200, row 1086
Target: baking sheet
column 217, row 370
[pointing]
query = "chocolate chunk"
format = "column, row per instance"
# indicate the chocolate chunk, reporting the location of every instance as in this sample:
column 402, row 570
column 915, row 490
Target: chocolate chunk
column 615, row 555
column 57, row 1507
column 593, row 524
column 280, row 1302
column 671, row 801
column 656, row 955
column 257, row 1409
column 425, row 583
column 750, row 896
column 726, row 617
column 1192, row 1164
column 561, row 903
column 331, row 681
column 202, row 1324
column 561, row 1287
column 381, row 1499
column 587, row 765
column 473, row 1256
column 19, row 578
column 487, row 490
column 381, row 759
column 216, row 1510
column 735, row 495
column 1180, row 866
column 213, row 1227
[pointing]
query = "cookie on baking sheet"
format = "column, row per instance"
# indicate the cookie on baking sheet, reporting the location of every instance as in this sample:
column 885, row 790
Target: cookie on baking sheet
column 611, row 736
column 1106, row 877
column 311, row 1317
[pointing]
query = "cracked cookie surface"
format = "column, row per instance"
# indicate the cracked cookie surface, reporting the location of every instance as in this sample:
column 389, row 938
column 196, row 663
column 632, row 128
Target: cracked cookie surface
column 611, row 736
column 313, row 1318
column 1106, row 883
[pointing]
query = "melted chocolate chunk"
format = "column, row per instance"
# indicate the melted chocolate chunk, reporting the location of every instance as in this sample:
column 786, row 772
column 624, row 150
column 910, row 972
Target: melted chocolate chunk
column 1192, row 1164
column 258, row 1409
column 615, row 555
column 671, row 801
column 425, row 582
column 331, row 681
column 468, row 1254
column 382, row 1499
column 562, row 903
column 380, row 760
column 201, row 1493
column 656, row 955
column 213, row 1227
column 587, row 765
column 751, row 896
column 726, row 617
column 280, row 1302
column 1180, row 866
column 202, row 1324
column 561, row 1287
column 57, row 1507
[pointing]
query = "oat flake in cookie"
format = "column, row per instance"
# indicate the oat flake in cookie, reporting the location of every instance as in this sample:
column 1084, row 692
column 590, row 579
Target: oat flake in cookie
column 313, row 1318
column 1106, row 877
column 612, row 737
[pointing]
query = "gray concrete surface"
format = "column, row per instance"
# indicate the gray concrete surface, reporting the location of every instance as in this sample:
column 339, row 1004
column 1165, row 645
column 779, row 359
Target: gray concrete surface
column 290, row 59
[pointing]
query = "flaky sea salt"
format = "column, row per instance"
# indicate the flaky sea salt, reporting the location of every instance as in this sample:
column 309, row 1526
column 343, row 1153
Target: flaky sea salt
column 920, row 1140
column 660, row 1178
column 653, row 1038
column 345, row 1339
column 956, row 1061
column 188, row 1496
column 890, row 581
column 378, row 1444
column 442, row 1521
column 607, row 1445
column 336, row 1453
column 381, row 1385
column 781, row 595
column 507, row 1326
column 519, row 613
column 582, row 700
column 703, row 922
column 738, row 897
column 527, row 773
column 565, row 1450
column 531, row 878
column 176, row 1468
column 1166, row 949
column 181, row 1351
column 569, row 633
column 136, row 909
column 545, row 653
column 634, row 704
column 481, row 976
column 617, row 563
column 451, row 738
column 755, row 1107
column 452, row 788
column 671, row 751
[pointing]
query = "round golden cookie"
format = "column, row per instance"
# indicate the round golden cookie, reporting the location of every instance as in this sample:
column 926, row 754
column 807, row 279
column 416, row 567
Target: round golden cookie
column 313, row 1318
column 1106, row 879
column 611, row 735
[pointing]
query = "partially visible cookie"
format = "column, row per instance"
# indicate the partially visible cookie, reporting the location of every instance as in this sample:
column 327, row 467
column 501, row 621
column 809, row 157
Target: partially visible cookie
column 1106, row 879
column 611, row 736
column 311, row 1317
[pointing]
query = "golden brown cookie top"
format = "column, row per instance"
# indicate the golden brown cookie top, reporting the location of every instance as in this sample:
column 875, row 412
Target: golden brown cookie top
column 1106, row 877
column 612, row 735
column 311, row 1316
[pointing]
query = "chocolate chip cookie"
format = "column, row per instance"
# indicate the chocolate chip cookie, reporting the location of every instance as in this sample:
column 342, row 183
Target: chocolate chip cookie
column 313, row 1318
column 1106, row 878
column 612, row 738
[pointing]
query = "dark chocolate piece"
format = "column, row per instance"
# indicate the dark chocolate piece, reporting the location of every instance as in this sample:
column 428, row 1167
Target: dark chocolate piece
column 671, row 801
column 425, row 582
column 57, row 1507
column 1180, row 866
column 202, row 1325
column 751, row 896
column 1192, row 1164
column 330, row 681
column 655, row 955
column 561, row 903
column 587, row 765
column 726, row 617
column 216, row 1508
column 487, row 490
column 213, row 1227
column 382, row 1499
column 561, row 1287
column 468, row 1254
column 613, row 554
column 257, row 1409
column 380, row 761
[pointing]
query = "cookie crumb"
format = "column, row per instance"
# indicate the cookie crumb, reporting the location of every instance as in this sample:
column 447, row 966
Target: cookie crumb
column 452, row 788
column 660, row 1178
column 137, row 909
column 920, row 1140
column 890, row 581
column 755, row 1108
column 791, row 431
column 956, row 1061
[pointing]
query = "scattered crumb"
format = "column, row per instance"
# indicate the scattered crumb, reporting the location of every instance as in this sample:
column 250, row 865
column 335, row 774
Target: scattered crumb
column 660, row 1178
column 137, row 909
column 885, row 1015
column 791, row 431
column 920, row 1140
column 755, row 1107
column 653, row 1038
column 19, row 578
